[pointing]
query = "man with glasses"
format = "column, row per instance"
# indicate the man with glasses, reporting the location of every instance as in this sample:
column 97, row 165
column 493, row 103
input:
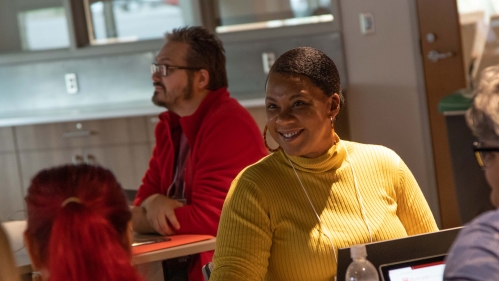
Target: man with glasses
column 475, row 253
column 202, row 142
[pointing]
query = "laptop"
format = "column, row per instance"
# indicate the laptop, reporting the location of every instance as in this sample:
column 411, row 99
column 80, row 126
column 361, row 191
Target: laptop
column 427, row 268
column 401, row 249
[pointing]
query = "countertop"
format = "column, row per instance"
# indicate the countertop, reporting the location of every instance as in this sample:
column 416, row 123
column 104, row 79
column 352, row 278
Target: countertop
column 128, row 109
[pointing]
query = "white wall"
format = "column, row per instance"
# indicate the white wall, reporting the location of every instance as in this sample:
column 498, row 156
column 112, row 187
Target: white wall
column 385, row 95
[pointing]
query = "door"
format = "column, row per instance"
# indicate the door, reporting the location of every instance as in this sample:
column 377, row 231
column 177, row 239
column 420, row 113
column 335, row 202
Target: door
column 444, row 73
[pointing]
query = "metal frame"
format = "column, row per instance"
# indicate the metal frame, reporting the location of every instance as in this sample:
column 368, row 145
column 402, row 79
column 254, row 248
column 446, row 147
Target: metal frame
column 203, row 12
column 284, row 31
column 79, row 25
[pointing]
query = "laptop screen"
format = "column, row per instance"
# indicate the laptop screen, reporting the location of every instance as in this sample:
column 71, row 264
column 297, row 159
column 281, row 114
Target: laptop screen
column 428, row 269
column 408, row 248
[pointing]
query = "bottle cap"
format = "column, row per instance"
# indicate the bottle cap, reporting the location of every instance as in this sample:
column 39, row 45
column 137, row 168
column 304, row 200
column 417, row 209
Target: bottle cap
column 358, row 251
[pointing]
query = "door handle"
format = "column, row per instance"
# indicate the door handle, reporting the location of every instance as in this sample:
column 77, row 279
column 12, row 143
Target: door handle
column 77, row 159
column 435, row 56
column 89, row 159
column 77, row 134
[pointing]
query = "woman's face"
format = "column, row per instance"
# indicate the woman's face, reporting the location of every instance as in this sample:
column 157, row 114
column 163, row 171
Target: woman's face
column 492, row 172
column 299, row 115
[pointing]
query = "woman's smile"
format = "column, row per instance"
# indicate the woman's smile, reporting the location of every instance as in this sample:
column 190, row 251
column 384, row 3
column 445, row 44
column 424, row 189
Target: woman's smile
column 289, row 136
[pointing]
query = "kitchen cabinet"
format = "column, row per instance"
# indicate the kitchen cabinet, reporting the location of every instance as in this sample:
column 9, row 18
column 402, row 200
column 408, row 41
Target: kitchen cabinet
column 122, row 145
column 82, row 134
column 11, row 196
column 7, row 140
column 31, row 162
column 128, row 162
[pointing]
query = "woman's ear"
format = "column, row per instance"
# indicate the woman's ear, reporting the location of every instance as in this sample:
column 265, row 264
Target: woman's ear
column 335, row 104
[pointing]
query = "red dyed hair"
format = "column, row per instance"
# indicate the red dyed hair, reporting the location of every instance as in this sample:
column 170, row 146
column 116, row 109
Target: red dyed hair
column 84, row 241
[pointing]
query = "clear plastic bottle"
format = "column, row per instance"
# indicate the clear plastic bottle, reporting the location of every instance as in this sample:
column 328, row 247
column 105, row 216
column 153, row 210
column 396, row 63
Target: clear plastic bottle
column 360, row 269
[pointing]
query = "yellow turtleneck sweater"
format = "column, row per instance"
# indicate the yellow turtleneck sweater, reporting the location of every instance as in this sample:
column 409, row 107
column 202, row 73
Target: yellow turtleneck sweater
column 269, row 231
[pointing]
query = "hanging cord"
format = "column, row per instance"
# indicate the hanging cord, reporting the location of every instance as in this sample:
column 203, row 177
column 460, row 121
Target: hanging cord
column 315, row 211
column 359, row 196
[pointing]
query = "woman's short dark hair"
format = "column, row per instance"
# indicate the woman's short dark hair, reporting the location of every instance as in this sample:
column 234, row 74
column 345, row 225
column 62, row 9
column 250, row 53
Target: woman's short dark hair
column 314, row 64
column 206, row 51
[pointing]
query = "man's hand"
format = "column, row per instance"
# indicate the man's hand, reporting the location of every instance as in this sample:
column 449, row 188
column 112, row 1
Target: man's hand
column 159, row 211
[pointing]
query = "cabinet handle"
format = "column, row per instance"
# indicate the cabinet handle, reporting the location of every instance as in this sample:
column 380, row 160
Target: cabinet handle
column 77, row 159
column 89, row 159
column 77, row 134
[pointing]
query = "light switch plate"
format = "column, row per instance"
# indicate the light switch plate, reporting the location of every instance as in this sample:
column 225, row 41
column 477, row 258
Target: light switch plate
column 71, row 83
column 268, row 60
column 367, row 23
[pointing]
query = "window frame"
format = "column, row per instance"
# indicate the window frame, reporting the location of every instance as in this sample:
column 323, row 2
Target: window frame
column 80, row 43
column 203, row 12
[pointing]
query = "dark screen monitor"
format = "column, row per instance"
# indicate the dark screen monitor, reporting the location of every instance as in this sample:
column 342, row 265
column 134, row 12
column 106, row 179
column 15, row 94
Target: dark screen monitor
column 401, row 249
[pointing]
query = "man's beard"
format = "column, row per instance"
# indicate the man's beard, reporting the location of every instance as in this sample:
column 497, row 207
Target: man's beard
column 187, row 94
column 155, row 99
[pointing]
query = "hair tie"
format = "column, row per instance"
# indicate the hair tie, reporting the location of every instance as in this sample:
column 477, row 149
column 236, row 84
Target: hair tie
column 69, row 200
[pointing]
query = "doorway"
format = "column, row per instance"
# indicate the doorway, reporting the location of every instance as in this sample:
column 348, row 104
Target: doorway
column 458, row 40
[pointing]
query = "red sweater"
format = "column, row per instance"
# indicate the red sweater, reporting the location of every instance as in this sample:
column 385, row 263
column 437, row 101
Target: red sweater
column 223, row 139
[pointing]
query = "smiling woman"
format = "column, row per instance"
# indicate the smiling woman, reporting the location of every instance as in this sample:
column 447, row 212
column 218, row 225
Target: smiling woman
column 285, row 216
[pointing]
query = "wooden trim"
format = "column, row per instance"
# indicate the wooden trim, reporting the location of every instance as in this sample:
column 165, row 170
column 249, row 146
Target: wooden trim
column 77, row 24
column 435, row 90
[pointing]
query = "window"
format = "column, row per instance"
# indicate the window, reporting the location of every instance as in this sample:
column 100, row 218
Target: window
column 236, row 15
column 479, row 23
column 133, row 20
column 43, row 29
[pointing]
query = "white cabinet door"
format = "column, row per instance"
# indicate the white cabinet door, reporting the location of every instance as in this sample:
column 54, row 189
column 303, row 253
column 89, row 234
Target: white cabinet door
column 127, row 162
column 32, row 162
column 11, row 195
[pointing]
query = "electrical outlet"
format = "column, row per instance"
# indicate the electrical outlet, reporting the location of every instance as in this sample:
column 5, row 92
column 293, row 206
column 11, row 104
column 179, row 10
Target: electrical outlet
column 268, row 60
column 71, row 83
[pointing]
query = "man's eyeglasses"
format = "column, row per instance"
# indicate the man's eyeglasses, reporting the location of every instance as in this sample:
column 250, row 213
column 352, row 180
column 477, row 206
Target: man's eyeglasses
column 484, row 154
column 162, row 69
